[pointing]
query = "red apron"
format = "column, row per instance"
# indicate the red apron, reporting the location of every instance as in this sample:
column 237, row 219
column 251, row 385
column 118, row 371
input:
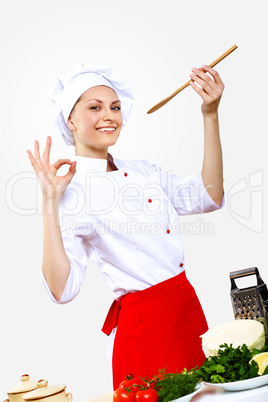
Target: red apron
column 157, row 328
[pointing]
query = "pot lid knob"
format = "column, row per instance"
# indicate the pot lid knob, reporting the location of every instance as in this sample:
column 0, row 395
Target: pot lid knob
column 42, row 383
column 25, row 377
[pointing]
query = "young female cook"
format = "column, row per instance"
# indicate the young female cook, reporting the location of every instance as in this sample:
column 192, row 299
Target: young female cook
column 123, row 215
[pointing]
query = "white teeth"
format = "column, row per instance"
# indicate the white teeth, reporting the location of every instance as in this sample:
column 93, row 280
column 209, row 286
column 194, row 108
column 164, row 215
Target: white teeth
column 106, row 129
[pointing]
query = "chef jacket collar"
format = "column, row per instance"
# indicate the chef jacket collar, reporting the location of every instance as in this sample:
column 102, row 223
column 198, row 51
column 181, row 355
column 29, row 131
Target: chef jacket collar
column 93, row 164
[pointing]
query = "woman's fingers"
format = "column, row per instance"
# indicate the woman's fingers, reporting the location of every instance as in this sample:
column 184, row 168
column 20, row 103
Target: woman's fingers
column 33, row 161
column 37, row 153
column 201, row 92
column 38, row 170
column 69, row 175
column 206, row 82
column 46, row 153
column 47, row 174
column 214, row 74
column 61, row 162
column 203, row 80
column 211, row 87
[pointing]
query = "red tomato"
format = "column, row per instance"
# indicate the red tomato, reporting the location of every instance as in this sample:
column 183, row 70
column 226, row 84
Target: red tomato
column 147, row 395
column 121, row 395
column 132, row 382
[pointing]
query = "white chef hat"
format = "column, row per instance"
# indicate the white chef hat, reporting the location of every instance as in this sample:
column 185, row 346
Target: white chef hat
column 68, row 88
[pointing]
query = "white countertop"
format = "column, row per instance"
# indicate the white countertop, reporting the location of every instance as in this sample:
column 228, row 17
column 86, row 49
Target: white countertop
column 211, row 393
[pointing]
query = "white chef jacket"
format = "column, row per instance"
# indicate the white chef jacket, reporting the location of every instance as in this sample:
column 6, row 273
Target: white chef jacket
column 127, row 222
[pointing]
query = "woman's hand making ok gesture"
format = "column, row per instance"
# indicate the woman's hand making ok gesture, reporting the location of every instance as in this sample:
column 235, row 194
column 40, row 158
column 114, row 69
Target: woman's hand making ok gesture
column 52, row 186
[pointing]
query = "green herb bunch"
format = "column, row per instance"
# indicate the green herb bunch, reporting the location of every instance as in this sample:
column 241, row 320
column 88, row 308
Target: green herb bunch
column 176, row 385
column 231, row 364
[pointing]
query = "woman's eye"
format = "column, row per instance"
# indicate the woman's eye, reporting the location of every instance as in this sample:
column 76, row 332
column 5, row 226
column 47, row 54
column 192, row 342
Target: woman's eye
column 94, row 107
column 116, row 108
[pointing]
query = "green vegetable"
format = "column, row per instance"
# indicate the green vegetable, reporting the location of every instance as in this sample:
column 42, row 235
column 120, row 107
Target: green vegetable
column 231, row 364
column 176, row 385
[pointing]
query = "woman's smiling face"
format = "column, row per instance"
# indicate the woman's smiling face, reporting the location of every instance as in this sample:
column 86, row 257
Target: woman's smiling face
column 96, row 121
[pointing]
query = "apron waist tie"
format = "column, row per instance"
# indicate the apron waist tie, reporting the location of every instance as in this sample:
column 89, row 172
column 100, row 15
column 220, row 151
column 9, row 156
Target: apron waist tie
column 112, row 318
column 139, row 296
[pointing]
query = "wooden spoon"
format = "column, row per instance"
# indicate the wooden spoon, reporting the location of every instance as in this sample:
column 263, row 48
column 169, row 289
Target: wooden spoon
column 166, row 100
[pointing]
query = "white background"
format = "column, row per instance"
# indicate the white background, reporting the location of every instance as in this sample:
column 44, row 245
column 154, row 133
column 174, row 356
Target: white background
column 154, row 45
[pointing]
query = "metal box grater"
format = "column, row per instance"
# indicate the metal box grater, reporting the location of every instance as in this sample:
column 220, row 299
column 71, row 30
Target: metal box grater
column 252, row 302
